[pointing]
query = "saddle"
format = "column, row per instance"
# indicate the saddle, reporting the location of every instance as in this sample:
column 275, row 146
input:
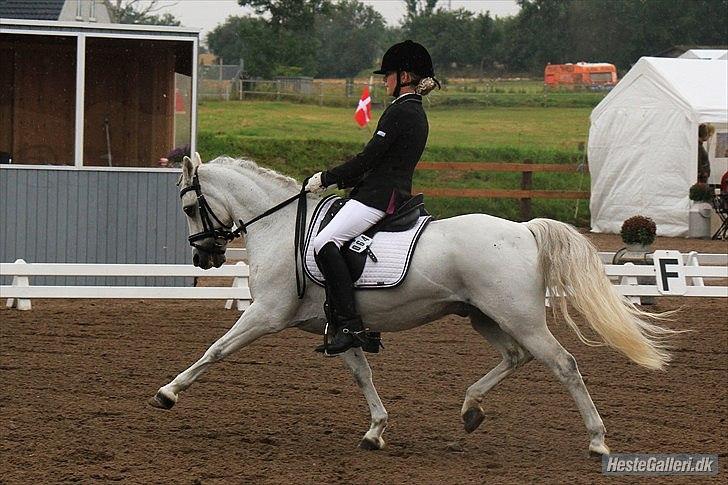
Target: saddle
column 357, row 250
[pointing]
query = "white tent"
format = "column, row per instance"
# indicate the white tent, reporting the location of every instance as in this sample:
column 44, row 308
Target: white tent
column 705, row 54
column 643, row 141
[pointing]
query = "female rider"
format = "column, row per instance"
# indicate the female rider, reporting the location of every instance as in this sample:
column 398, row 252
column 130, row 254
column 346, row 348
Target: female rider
column 381, row 177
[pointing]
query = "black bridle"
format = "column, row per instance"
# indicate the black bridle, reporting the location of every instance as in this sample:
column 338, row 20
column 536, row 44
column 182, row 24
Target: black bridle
column 227, row 233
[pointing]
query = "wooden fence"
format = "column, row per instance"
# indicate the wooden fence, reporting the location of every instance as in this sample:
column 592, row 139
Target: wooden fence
column 525, row 193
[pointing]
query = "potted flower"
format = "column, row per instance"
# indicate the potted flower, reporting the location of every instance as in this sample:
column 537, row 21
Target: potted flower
column 638, row 233
column 700, row 210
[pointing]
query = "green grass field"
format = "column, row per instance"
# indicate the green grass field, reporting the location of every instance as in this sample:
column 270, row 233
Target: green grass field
column 299, row 139
column 464, row 127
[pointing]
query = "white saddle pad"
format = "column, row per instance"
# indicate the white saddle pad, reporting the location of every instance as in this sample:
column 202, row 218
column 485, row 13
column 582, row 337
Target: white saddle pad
column 393, row 251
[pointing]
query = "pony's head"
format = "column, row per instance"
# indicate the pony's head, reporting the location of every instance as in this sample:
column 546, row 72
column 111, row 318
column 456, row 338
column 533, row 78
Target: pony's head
column 207, row 218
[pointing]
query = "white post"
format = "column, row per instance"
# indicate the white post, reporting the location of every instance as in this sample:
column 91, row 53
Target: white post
column 193, row 94
column 632, row 281
column 23, row 281
column 80, row 98
column 239, row 282
column 693, row 261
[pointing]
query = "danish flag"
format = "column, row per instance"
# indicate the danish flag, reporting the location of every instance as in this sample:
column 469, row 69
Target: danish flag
column 363, row 113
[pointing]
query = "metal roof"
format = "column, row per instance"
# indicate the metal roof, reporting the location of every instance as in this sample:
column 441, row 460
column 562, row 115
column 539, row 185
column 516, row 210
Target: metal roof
column 69, row 28
column 31, row 9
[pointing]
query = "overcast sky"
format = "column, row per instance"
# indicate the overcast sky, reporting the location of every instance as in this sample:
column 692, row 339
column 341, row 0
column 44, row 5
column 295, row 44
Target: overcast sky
column 206, row 14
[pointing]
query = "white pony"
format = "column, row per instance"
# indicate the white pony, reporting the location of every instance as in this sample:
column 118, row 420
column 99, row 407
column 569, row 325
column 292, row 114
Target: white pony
column 492, row 270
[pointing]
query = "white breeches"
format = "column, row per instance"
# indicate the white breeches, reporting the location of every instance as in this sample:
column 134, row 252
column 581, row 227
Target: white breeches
column 351, row 221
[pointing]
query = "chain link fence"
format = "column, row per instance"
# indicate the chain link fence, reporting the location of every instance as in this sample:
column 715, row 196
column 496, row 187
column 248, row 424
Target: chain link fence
column 228, row 82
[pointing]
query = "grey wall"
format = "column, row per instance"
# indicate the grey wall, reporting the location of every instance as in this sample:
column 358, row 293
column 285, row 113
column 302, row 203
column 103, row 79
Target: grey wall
column 92, row 216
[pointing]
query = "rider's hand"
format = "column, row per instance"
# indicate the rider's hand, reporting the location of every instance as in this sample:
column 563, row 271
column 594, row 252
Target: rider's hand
column 314, row 184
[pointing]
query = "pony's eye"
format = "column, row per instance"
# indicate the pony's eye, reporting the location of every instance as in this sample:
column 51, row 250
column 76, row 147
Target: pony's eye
column 190, row 210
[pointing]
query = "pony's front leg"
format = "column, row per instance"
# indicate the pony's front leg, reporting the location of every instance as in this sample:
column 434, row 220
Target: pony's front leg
column 253, row 324
column 357, row 363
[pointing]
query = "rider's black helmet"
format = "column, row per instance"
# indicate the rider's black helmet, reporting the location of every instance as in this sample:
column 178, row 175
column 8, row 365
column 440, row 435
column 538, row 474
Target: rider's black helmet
column 407, row 56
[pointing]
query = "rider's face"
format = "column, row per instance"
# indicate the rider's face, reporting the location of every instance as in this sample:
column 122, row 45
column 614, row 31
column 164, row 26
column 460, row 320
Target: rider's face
column 390, row 82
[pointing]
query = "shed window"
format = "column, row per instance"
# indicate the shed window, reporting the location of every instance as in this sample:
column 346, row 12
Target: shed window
column 37, row 99
column 137, row 101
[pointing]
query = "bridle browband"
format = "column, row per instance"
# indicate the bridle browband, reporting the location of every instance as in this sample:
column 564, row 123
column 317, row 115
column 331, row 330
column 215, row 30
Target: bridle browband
column 231, row 232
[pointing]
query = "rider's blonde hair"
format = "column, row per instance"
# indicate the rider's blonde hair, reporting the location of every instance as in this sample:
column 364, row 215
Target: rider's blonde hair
column 425, row 85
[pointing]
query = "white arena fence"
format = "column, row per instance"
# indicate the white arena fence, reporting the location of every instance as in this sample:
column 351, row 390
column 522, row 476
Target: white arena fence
column 670, row 274
column 20, row 291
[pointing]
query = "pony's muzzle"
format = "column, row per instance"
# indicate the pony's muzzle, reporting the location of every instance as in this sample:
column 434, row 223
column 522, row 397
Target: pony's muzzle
column 206, row 260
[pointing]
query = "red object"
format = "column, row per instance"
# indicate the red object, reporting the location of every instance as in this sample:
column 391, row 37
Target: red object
column 179, row 102
column 724, row 183
column 581, row 73
column 363, row 113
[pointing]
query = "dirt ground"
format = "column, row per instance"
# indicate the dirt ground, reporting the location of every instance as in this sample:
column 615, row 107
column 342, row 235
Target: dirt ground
column 75, row 377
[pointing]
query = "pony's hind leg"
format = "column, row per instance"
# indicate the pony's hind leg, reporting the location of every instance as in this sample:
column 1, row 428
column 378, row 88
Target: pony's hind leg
column 254, row 323
column 357, row 363
column 537, row 338
column 514, row 355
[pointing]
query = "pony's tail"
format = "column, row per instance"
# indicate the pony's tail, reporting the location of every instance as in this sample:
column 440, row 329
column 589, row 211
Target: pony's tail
column 573, row 273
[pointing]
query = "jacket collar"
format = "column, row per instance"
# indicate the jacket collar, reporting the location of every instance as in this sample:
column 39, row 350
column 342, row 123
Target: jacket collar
column 408, row 97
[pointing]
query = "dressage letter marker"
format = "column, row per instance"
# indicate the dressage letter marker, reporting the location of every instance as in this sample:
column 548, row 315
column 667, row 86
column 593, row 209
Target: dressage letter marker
column 670, row 273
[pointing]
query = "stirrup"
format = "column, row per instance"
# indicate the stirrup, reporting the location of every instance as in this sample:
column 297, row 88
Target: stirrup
column 347, row 338
column 373, row 343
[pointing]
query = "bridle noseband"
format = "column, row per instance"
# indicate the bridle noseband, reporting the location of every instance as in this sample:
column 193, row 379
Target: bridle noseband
column 228, row 233
column 207, row 215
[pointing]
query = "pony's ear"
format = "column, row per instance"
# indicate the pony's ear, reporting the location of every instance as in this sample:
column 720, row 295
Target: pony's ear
column 196, row 159
column 188, row 169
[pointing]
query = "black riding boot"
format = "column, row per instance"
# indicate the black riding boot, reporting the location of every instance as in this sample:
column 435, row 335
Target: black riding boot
column 342, row 312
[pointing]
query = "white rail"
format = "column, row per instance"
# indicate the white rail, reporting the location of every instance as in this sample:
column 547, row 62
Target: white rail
column 707, row 259
column 20, row 291
column 83, row 269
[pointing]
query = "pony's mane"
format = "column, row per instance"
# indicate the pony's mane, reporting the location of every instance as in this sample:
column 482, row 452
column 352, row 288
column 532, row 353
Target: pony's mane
column 284, row 180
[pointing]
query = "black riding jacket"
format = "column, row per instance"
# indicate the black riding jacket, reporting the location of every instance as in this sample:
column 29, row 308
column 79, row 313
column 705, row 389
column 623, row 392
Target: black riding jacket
column 381, row 175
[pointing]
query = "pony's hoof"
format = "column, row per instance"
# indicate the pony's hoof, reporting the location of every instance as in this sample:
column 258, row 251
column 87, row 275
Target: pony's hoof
column 371, row 444
column 160, row 401
column 472, row 419
column 598, row 450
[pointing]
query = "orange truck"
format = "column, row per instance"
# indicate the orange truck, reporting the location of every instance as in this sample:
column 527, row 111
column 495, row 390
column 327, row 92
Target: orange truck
column 580, row 74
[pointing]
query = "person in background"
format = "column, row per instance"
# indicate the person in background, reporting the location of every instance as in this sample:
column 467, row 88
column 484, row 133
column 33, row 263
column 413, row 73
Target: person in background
column 703, row 160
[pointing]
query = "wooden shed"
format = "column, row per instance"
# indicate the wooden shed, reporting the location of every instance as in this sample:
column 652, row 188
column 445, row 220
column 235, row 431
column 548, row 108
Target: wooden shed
column 86, row 112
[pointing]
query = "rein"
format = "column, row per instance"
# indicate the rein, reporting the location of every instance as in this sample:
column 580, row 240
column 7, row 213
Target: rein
column 229, row 233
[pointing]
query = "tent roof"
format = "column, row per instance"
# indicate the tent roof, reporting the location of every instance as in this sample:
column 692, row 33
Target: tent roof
column 705, row 54
column 700, row 85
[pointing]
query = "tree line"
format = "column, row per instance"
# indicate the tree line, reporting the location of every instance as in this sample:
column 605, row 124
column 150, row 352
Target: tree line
column 343, row 38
